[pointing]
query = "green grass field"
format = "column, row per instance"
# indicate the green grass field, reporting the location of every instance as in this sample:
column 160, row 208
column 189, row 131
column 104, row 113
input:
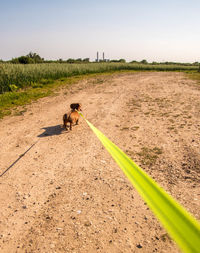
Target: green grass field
column 16, row 76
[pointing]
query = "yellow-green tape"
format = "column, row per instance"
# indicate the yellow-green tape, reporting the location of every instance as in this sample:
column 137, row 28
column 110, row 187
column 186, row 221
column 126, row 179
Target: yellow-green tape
column 181, row 225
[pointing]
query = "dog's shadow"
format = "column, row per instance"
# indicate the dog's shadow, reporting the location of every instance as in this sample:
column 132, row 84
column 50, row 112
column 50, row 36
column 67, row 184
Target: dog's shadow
column 52, row 130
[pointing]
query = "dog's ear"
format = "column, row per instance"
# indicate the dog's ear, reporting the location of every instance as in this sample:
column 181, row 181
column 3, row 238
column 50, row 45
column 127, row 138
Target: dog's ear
column 73, row 106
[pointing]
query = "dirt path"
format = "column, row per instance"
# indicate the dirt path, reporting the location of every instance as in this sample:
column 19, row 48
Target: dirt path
column 67, row 195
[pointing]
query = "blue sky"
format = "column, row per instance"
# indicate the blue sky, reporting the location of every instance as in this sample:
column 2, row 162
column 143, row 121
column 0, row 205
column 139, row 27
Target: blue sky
column 155, row 30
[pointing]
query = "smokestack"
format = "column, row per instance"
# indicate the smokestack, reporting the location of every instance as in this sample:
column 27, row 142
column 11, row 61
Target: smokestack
column 103, row 56
column 97, row 56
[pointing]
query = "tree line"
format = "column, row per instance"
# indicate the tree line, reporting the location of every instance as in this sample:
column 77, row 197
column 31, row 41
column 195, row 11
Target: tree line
column 33, row 58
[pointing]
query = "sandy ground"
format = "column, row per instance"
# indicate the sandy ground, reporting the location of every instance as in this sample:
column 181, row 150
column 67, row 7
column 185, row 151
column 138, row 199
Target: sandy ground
column 66, row 194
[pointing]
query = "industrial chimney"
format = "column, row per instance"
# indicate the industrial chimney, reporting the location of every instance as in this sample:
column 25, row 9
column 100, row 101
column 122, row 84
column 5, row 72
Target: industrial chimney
column 97, row 59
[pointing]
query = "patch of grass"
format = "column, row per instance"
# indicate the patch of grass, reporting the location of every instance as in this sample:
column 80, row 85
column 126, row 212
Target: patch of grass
column 131, row 154
column 10, row 100
column 149, row 156
column 99, row 81
column 164, row 114
column 194, row 76
column 124, row 128
column 165, row 237
column 19, row 113
column 171, row 128
column 171, row 120
column 135, row 128
column 4, row 113
column 176, row 115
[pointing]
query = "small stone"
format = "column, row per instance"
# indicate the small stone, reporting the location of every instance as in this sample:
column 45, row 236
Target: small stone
column 24, row 207
column 52, row 245
column 79, row 211
column 139, row 246
column 115, row 230
column 87, row 223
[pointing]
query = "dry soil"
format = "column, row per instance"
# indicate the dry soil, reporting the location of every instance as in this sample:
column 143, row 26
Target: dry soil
column 61, row 190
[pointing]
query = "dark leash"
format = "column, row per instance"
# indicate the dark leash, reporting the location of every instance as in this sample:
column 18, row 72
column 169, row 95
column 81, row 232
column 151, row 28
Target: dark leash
column 20, row 157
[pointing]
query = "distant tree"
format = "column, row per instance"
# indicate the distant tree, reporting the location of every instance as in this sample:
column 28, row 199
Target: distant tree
column 133, row 61
column 70, row 60
column 144, row 62
column 35, row 57
column 15, row 60
column 114, row 60
column 28, row 59
column 78, row 60
column 86, row 60
column 25, row 60
column 122, row 60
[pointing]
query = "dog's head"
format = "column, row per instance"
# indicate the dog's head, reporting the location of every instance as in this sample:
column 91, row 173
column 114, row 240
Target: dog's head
column 76, row 107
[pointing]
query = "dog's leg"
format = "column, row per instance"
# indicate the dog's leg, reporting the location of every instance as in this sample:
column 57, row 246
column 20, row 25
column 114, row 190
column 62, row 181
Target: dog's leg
column 70, row 126
column 65, row 121
column 77, row 122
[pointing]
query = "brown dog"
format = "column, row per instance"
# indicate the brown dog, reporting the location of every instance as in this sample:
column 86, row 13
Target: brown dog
column 73, row 116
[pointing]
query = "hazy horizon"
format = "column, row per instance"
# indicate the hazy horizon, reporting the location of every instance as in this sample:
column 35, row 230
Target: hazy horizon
column 132, row 30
